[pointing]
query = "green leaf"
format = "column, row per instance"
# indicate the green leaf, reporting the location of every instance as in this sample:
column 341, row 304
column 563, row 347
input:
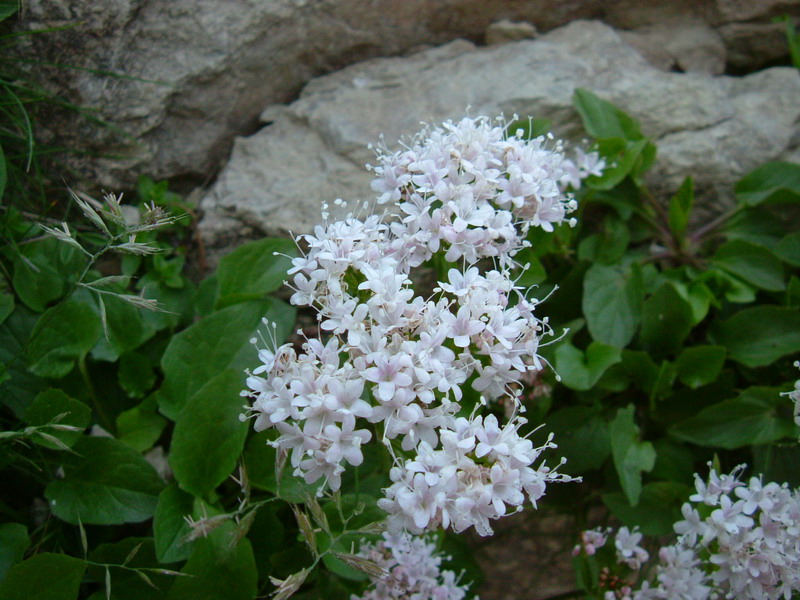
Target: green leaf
column 755, row 264
column 631, row 456
column 50, row 404
column 666, row 321
column 135, row 375
column 659, row 507
column 169, row 526
column 126, row 327
column 43, row 269
column 14, row 541
column 793, row 292
column 217, row 342
column 253, row 270
column 582, row 437
column 581, row 371
column 612, row 303
column 754, row 417
column 209, row 436
column 6, row 306
column 218, row 571
column 140, row 427
column 760, row 335
column 624, row 159
column 680, row 207
column 700, row 365
column 772, row 182
column 109, row 483
column 788, row 249
column 640, row 368
column 602, row 119
column 674, row 461
column 63, row 335
column 44, row 577
column 7, row 9
column 19, row 387
column 608, row 246
column 778, row 462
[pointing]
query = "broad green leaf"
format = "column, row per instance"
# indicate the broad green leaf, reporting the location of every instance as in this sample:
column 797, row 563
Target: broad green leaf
column 42, row 271
column 7, row 9
column 254, row 270
column 631, row 456
column 731, row 287
column 141, row 426
column 612, row 303
column 608, row 246
column 666, row 321
column 664, row 380
column 14, row 541
column 674, row 461
column 755, row 264
column 602, row 119
column 582, row 437
column 788, row 249
column 700, row 365
column 218, row 570
column 778, row 462
column 109, row 483
column 684, row 402
column 6, row 306
column 772, row 182
column 63, row 335
column 793, row 292
column 50, row 404
column 624, row 158
column 209, row 436
column 760, row 335
column 579, row 370
column 125, row 326
column 641, row 369
column 20, row 386
column 44, row 577
column 170, row 528
column 754, row 417
column 680, row 207
column 658, row 509
column 136, row 375
column 757, row 227
column 213, row 344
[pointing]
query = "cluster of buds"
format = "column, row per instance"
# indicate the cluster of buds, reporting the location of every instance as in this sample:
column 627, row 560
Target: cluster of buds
column 396, row 365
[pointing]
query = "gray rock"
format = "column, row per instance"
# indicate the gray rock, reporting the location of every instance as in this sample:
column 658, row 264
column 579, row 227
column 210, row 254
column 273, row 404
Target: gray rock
column 189, row 75
column 713, row 128
column 688, row 46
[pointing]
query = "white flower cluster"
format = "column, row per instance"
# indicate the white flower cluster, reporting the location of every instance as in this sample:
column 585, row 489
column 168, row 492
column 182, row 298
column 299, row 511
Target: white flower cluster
column 396, row 363
column 736, row 541
column 626, row 545
column 413, row 571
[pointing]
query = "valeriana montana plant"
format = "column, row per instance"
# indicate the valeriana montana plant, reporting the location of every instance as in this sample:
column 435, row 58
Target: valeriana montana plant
column 736, row 540
column 412, row 371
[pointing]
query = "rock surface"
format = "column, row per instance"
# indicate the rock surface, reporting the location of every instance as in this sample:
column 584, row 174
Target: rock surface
column 189, row 75
column 713, row 128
